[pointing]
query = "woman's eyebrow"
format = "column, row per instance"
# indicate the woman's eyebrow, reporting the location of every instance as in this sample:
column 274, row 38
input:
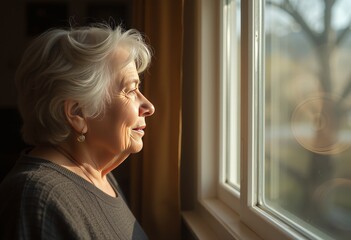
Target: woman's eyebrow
column 137, row 81
column 134, row 81
column 126, row 81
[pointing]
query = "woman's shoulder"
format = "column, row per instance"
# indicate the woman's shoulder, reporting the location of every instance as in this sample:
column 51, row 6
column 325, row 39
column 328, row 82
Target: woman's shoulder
column 34, row 178
column 35, row 194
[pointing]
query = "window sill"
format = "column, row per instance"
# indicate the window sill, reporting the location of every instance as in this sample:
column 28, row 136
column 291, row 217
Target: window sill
column 214, row 220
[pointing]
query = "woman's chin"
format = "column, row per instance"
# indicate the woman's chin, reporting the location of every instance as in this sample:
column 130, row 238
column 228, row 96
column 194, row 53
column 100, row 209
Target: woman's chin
column 137, row 147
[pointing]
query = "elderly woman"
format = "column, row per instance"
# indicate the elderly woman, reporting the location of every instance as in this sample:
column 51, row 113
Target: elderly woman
column 84, row 114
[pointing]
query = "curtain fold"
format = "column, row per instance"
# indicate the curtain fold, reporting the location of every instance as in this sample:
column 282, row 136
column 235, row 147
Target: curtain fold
column 155, row 177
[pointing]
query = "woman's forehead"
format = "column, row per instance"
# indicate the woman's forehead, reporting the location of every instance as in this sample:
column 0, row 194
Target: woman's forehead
column 129, row 73
column 124, row 67
column 121, row 56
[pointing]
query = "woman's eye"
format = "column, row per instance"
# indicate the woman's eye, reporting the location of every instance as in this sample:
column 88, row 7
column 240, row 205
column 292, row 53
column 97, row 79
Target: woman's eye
column 133, row 91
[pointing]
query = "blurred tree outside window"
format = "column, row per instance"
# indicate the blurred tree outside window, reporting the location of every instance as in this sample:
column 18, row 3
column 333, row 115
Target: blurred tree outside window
column 307, row 114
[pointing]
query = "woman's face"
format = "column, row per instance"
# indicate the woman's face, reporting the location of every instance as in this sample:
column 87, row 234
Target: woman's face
column 119, row 130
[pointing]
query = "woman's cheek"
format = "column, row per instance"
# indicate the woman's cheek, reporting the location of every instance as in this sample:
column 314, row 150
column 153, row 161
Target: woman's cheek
column 126, row 134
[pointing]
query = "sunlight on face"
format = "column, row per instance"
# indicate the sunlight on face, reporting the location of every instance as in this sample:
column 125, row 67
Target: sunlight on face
column 121, row 127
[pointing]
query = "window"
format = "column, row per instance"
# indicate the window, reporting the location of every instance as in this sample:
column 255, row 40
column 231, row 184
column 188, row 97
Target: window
column 305, row 125
column 229, row 104
column 230, row 93
column 274, row 119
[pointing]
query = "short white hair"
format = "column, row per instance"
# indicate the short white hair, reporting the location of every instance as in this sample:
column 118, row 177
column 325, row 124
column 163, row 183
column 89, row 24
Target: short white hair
column 73, row 64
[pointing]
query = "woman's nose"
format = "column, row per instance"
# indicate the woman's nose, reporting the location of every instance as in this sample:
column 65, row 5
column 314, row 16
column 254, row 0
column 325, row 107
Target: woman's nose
column 146, row 108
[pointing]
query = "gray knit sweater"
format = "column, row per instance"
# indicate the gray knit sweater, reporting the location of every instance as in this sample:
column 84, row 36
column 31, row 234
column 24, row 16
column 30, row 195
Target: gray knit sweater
column 42, row 200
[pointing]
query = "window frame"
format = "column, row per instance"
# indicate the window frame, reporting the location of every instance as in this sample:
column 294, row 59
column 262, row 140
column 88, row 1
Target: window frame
column 218, row 211
column 213, row 211
column 227, row 193
column 252, row 122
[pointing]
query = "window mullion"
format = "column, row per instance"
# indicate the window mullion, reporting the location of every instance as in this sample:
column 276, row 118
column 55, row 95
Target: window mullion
column 252, row 122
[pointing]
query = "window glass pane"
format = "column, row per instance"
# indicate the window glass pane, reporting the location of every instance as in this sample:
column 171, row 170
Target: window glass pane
column 231, row 91
column 307, row 125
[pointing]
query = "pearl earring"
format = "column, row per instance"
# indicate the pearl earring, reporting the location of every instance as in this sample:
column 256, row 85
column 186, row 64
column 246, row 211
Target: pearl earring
column 81, row 138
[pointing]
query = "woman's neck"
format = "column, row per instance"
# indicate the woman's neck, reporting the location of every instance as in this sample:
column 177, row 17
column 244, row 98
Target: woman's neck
column 82, row 166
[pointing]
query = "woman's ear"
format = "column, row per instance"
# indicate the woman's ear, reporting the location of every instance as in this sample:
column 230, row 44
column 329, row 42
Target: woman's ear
column 75, row 116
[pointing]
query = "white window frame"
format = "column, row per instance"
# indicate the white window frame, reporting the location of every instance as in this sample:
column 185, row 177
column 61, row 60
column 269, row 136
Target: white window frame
column 228, row 99
column 216, row 213
column 211, row 218
column 221, row 213
column 252, row 83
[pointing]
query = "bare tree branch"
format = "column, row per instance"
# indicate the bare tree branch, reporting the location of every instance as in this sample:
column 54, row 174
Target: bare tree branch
column 343, row 34
column 316, row 38
column 328, row 4
column 288, row 8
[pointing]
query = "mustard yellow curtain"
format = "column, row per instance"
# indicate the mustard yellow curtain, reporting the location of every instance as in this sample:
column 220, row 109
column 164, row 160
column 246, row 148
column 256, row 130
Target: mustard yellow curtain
column 155, row 177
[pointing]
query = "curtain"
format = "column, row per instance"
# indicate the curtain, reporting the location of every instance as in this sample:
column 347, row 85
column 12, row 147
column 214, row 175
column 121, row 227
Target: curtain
column 155, row 172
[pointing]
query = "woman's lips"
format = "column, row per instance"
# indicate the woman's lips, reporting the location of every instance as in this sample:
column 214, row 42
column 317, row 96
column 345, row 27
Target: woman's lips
column 140, row 129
